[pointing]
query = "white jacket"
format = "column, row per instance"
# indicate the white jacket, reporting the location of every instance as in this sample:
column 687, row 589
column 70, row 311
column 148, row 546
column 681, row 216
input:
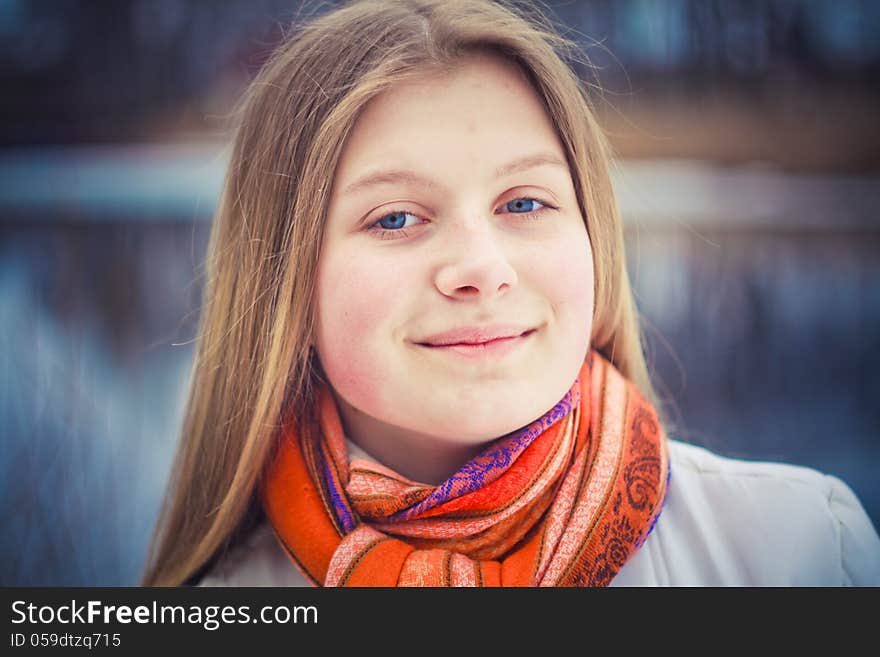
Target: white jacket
column 725, row 522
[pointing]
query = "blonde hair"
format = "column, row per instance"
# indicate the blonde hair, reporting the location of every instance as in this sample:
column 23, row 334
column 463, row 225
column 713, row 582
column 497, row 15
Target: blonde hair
column 253, row 362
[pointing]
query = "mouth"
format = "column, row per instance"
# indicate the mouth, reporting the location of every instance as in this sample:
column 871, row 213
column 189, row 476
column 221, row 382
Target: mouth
column 479, row 343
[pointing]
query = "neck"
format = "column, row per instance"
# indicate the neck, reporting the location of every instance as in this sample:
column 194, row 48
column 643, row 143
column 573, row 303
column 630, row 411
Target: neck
column 420, row 457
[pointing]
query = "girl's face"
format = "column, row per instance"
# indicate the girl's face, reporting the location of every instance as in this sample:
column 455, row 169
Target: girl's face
column 455, row 284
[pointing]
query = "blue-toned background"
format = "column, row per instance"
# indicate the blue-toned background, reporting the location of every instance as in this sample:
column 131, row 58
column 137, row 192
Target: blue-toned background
column 748, row 170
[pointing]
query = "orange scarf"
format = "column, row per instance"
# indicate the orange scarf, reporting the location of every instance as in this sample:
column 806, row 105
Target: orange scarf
column 565, row 501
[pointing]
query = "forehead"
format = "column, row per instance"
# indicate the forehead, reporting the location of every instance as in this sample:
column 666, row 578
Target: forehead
column 484, row 112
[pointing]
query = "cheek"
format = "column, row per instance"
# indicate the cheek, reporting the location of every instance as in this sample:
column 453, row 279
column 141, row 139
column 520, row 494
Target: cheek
column 356, row 310
column 567, row 278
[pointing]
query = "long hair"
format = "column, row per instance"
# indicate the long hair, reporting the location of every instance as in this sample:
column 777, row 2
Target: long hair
column 253, row 364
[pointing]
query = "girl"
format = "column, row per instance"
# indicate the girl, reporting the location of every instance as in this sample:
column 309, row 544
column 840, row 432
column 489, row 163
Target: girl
column 419, row 359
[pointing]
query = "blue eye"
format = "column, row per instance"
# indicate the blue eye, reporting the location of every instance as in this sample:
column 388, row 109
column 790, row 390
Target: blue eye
column 395, row 220
column 523, row 205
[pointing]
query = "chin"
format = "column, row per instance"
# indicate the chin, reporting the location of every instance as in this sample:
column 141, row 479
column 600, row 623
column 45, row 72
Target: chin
column 476, row 429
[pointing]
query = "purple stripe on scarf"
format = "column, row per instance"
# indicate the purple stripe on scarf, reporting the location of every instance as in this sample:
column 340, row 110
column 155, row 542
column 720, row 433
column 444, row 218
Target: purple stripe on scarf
column 337, row 496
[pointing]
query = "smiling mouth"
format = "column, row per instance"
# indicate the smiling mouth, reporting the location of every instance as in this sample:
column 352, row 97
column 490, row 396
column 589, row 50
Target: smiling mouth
column 497, row 347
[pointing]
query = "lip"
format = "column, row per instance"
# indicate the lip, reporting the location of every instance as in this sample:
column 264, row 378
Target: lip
column 474, row 335
column 479, row 341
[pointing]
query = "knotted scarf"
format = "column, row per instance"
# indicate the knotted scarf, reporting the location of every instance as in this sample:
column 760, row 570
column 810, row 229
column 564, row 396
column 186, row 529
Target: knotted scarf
column 565, row 501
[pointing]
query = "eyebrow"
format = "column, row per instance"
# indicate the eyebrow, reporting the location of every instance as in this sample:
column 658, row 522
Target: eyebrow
column 416, row 180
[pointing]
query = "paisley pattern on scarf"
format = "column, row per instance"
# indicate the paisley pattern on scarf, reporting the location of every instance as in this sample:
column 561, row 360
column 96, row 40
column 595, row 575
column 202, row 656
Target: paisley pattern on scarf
column 565, row 501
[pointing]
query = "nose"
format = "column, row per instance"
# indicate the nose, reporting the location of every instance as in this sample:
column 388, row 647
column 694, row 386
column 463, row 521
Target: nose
column 477, row 266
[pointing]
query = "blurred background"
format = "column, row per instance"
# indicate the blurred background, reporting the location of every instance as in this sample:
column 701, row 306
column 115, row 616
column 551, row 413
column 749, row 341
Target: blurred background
column 748, row 160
